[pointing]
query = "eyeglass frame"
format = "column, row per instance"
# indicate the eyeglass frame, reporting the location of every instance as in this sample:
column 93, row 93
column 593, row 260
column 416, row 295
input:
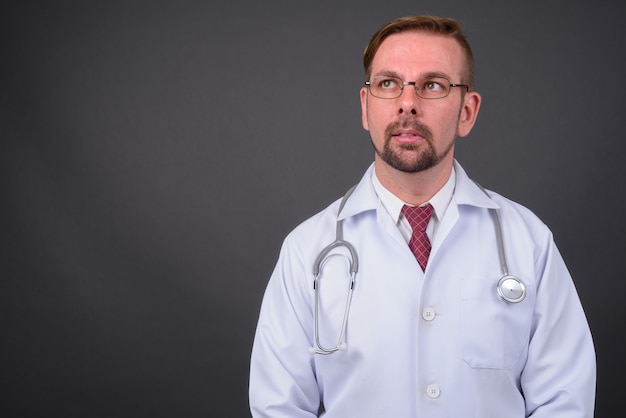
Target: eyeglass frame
column 414, row 84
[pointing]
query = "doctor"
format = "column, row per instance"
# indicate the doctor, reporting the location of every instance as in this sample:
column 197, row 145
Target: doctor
column 434, row 339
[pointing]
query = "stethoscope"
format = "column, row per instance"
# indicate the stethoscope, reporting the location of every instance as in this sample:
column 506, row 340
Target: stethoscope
column 510, row 288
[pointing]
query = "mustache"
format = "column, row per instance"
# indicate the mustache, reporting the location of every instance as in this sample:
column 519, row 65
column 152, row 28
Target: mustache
column 408, row 123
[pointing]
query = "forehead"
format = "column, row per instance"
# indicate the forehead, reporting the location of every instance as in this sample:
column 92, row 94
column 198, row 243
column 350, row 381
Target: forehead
column 414, row 53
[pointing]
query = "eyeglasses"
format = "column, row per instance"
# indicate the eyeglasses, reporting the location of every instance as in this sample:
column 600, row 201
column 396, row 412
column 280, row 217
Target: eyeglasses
column 385, row 87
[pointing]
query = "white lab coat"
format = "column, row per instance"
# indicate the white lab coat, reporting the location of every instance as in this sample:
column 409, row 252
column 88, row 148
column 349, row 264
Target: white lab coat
column 439, row 343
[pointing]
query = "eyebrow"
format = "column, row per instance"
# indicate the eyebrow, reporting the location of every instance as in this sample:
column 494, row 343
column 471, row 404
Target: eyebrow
column 430, row 74
column 387, row 73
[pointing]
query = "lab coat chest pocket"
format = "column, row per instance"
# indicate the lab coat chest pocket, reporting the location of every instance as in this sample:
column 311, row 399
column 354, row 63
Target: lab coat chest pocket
column 494, row 333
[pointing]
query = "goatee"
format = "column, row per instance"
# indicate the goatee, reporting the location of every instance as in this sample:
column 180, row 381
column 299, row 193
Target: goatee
column 395, row 156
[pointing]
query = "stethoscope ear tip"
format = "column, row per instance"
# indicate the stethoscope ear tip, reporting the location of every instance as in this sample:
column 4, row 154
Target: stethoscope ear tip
column 312, row 350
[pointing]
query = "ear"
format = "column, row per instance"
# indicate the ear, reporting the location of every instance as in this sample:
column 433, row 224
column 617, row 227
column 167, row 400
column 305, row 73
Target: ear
column 469, row 113
column 363, row 95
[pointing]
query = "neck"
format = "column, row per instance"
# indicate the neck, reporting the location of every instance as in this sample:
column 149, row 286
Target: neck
column 413, row 188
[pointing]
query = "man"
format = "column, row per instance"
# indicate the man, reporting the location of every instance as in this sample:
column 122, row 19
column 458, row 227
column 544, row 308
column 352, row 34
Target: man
column 431, row 330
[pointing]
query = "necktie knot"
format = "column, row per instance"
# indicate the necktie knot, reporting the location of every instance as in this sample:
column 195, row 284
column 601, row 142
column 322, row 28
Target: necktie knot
column 418, row 217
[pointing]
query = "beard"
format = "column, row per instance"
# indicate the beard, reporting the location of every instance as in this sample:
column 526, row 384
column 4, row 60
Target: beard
column 395, row 156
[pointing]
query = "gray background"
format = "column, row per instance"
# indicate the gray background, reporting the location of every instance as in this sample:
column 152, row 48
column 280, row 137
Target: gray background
column 155, row 154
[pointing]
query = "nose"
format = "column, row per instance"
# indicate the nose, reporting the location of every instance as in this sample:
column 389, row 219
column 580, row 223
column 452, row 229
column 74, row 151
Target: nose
column 409, row 101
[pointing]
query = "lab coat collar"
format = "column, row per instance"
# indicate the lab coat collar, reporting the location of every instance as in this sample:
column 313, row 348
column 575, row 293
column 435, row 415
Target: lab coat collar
column 363, row 198
column 466, row 192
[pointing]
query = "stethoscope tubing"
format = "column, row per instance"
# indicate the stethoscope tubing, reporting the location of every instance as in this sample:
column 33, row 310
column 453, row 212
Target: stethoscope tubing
column 509, row 288
column 354, row 267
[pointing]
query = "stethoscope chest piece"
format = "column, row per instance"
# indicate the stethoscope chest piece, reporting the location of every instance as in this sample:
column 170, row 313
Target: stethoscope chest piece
column 511, row 289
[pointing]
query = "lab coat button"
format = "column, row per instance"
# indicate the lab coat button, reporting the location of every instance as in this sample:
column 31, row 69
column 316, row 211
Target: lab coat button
column 428, row 314
column 433, row 391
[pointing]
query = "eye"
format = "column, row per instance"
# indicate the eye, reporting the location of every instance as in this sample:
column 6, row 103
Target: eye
column 387, row 83
column 433, row 86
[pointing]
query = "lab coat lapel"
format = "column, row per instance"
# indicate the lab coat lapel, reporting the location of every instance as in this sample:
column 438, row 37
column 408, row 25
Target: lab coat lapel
column 466, row 192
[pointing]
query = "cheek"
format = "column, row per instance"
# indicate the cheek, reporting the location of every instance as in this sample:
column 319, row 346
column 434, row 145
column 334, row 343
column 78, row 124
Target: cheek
column 448, row 124
column 376, row 117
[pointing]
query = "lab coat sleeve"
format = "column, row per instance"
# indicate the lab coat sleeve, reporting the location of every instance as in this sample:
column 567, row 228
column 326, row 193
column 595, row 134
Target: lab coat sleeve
column 559, row 378
column 282, row 375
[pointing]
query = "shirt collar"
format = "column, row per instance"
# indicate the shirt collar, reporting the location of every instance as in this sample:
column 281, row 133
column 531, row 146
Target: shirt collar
column 465, row 193
column 393, row 204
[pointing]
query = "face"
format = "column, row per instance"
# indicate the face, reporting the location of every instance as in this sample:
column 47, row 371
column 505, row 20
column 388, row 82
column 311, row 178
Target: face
column 411, row 134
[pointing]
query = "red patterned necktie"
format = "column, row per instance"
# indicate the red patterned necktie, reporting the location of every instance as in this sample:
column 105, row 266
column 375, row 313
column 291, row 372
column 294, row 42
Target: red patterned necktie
column 418, row 217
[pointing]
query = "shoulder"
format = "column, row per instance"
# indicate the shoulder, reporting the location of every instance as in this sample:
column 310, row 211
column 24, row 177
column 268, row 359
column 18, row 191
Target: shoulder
column 317, row 223
column 472, row 196
column 522, row 229
column 357, row 200
column 516, row 211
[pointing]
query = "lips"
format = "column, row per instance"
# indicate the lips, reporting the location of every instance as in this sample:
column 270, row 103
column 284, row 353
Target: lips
column 407, row 135
column 407, row 131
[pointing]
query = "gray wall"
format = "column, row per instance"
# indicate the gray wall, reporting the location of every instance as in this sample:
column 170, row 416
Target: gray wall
column 154, row 155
